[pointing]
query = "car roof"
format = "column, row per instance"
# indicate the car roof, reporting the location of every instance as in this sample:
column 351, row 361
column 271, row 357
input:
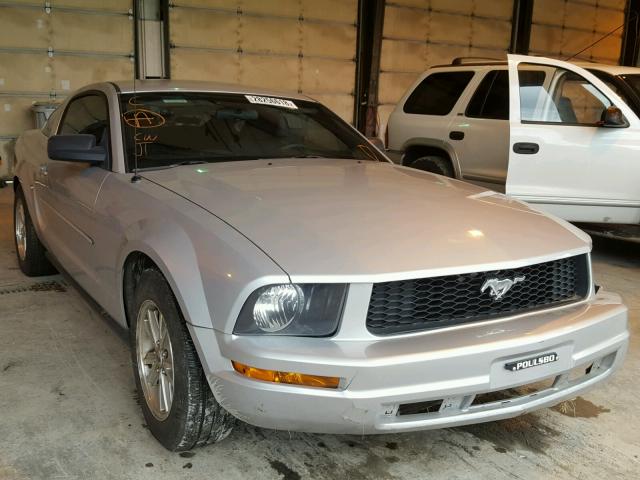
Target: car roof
column 146, row 86
column 611, row 69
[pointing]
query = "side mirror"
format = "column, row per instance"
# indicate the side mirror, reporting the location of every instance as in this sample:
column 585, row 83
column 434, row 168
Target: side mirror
column 612, row 117
column 377, row 142
column 76, row 148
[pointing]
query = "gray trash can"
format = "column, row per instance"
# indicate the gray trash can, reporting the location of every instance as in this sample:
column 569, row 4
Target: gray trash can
column 42, row 111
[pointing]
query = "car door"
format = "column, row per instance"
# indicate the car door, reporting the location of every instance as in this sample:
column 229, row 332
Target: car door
column 483, row 140
column 71, row 188
column 561, row 157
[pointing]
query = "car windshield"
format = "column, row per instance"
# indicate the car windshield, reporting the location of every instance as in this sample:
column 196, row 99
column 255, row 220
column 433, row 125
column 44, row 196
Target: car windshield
column 166, row 129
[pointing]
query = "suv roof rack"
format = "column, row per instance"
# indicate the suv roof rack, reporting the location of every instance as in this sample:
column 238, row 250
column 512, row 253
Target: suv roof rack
column 463, row 60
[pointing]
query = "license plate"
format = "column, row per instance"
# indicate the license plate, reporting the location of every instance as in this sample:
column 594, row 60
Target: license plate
column 536, row 361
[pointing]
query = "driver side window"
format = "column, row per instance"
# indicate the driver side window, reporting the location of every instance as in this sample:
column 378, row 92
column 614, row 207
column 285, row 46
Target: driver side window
column 88, row 114
column 556, row 95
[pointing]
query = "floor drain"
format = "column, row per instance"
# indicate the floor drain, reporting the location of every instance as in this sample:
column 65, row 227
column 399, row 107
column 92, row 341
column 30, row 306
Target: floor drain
column 54, row 286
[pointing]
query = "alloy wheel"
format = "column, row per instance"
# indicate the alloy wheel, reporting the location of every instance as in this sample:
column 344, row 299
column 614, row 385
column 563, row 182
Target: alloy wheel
column 155, row 359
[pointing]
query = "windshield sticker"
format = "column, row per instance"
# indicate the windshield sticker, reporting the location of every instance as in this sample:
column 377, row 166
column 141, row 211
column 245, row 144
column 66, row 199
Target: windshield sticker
column 275, row 102
column 142, row 118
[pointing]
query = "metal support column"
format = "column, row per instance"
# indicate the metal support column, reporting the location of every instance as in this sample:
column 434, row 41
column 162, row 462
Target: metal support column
column 631, row 37
column 370, row 24
column 521, row 26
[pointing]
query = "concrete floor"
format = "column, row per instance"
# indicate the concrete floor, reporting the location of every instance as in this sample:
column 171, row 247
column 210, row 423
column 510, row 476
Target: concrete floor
column 68, row 407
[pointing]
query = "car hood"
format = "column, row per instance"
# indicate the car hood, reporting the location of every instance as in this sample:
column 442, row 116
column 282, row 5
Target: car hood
column 348, row 220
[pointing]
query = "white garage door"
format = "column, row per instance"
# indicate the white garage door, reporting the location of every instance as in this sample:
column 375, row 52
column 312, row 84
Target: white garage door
column 420, row 33
column 45, row 53
column 562, row 28
column 305, row 46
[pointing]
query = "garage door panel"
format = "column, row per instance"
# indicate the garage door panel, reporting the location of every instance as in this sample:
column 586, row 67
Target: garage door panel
column 491, row 33
column 15, row 115
column 270, row 35
column 278, row 73
column 73, row 31
column 329, row 40
column 614, row 4
column 204, row 65
column 463, row 7
column 331, row 10
column 393, row 85
column 24, row 27
column 444, row 54
column 548, row 12
column 451, row 29
column 323, row 75
column 200, row 28
column 20, row 72
column 223, row 4
column 111, row 5
column 403, row 56
column 608, row 50
column 498, row 9
column 75, row 72
column 609, row 19
column 404, row 23
column 289, row 8
column 545, row 38
column 578, row 15
column 342, row 105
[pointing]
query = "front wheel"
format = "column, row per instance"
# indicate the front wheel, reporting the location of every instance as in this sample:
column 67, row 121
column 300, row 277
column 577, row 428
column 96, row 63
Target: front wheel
column 176, row 399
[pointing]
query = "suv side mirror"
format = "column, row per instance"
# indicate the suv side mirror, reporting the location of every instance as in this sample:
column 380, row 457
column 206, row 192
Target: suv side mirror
column 76, row 148
column 612, row 117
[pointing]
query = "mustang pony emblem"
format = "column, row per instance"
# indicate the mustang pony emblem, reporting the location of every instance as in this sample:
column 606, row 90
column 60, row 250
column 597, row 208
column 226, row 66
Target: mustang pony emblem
column 499, row 287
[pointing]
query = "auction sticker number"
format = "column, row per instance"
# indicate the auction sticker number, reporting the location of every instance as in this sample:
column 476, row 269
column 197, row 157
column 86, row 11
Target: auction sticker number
column 275, row 102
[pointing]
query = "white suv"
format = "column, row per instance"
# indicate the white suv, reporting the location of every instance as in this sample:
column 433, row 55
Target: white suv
column 567, row 139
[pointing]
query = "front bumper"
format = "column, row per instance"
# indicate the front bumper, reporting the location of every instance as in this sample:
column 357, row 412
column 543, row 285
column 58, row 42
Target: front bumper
column 385, row 378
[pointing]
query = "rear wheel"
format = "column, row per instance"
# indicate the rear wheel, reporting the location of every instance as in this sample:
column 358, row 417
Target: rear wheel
column 29, row 250
column 176, row 399
column 434, row 164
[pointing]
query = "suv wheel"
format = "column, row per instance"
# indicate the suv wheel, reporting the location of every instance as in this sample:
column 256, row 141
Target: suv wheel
column 434, row 164
column 176, row 399
column 29, row 250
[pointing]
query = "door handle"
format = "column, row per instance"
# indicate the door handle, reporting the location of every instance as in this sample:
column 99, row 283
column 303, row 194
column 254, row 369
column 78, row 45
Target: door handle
column 526, row 148
column 456, row 135
column 43, row 170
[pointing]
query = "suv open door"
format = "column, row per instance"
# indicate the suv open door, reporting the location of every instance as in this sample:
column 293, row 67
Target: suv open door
column 574, row 147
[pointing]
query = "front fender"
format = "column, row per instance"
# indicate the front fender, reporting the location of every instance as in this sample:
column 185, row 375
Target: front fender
column 210, row 267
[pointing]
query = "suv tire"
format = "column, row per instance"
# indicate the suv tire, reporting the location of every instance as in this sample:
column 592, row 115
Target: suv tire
column 177, row 403
column 31, row 253
column 433, row 164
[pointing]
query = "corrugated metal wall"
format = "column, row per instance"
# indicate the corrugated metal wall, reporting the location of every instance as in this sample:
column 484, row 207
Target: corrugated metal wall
column 562, row 28
column 420, row 33
column 305, row 46
column 47, row 52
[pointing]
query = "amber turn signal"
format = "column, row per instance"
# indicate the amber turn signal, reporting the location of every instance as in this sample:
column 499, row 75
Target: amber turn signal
column 290, row 378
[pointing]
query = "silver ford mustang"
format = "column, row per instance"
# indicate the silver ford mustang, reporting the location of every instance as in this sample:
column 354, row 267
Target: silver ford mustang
column 273, row 266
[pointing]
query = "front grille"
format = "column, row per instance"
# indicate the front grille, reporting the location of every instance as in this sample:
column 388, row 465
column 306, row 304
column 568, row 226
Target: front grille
column 425, row 303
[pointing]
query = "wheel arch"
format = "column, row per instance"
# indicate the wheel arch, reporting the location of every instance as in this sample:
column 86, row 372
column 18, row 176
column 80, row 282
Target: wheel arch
column 416, row 148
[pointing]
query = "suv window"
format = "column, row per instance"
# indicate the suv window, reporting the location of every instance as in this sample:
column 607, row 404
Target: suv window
column 491, row 99
column 438, row 93
column 87, row 114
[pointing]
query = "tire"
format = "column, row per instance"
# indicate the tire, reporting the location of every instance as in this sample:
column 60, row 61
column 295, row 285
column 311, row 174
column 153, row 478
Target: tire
column 434, row 164
column 192, row 417
column 31, row 253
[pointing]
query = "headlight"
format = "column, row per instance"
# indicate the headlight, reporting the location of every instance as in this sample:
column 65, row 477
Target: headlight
column 311, row 310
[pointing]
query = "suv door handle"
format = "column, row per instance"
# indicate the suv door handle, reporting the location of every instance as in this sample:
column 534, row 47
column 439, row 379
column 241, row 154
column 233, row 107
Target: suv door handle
column 526, row 148
column 456, row 135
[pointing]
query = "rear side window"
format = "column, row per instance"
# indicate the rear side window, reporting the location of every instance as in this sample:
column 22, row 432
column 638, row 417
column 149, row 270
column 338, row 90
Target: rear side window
column 491, row 99
column 438, row 93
